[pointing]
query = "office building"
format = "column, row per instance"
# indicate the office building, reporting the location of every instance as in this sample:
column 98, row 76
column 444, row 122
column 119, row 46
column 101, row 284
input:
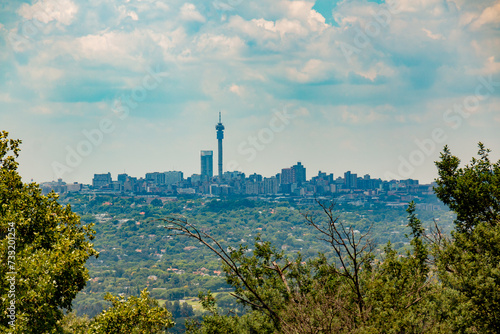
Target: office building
column 101, row 180
column 300, row 173
column 173, row 177
column 207, row 165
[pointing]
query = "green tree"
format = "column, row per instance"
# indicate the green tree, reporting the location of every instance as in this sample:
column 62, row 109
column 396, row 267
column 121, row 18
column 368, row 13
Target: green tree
column 348, row 292
column 157, row 202
column 469, row 262
column 43, row 244
column 402, row 295
column 216, row 323
column 133, row 315
column 472, row 192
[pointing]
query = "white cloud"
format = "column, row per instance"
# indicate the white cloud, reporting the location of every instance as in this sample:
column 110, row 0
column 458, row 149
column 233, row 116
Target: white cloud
column 190, row 13
column 127, row 13
column 105, row 46
column 313, row 71
column 302, row 10
column 162, row 5
column 238, row 90
column 432, row 35
column 431, row 7
column 283, row 27
column 45, row 11
column 490, row 15
column 221, row 45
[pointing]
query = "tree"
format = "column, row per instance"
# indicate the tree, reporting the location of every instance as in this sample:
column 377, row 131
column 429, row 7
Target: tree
column 133, row 315
column 216, row 323
column 43, row 250
column 469, row 262
column 157, row 202
column 348, row 293
column 402, row 294
column 472, row 192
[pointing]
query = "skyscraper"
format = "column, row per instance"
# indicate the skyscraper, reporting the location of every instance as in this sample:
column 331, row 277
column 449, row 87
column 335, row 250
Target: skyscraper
column 101, row 180
column 220, row 135
column 287, row 176
column 350, row 180
column 300, row 173
column 207, row 165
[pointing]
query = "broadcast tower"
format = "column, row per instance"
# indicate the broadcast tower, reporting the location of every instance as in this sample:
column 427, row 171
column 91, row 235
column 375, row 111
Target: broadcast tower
column 220, row 135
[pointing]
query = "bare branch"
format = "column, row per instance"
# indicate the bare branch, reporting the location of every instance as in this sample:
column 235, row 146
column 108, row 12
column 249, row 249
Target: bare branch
column 187, row 229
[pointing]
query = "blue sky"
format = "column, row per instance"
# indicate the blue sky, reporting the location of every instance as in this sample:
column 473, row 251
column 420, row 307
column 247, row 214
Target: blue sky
column 373, row 87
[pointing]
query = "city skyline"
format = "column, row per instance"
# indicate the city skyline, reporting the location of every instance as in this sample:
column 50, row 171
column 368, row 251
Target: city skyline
column 377, row 87
column 287, row 175
column 291, row 181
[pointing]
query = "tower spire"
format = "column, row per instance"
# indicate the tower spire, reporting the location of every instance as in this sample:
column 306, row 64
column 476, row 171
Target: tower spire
column 220, row 135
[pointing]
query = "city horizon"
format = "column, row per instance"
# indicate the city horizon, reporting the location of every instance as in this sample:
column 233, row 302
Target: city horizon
column 143, row 176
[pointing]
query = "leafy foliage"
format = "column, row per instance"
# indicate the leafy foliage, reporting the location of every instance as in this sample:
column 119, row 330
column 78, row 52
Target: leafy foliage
column 469, row 263
column 133, row 315
column 473, row 192
column 48, row 255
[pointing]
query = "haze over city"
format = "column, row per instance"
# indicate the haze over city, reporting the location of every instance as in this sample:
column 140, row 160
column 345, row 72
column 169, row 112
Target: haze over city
column 375, row 87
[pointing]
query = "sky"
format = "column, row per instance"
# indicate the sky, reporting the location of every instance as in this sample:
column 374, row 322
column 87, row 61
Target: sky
column 373, row 87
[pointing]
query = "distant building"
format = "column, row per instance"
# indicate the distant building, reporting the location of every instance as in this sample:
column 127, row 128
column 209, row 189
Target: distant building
column 255, row 177
column 59, row 187
column 173, row 177
column 271, row 185
column 350, row 180
column 122, row 178
column 295, row 174
column 253, row 187
column 300, row 173
column 287, row 176
column 156, row 178
column 130, row 184
column 74, row 187
column 194, row 179
column 101, row 180
column 186, row 191
column 235, row 175
column 207, row 165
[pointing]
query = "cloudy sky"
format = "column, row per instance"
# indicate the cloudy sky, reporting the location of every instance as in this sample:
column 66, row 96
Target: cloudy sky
column 373, row 87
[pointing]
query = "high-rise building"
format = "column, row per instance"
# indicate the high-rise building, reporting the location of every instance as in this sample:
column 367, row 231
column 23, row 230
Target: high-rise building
column 173, row 177
column 271, row 185
column 101, row 180
column 294, row 174
column 207, row 165
column 156, row 178
column 350, row 180
column 287, row 176
column 220, row 135
column 347, row 180
column 255, row 177
column 300, row 173
column 122, row 178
